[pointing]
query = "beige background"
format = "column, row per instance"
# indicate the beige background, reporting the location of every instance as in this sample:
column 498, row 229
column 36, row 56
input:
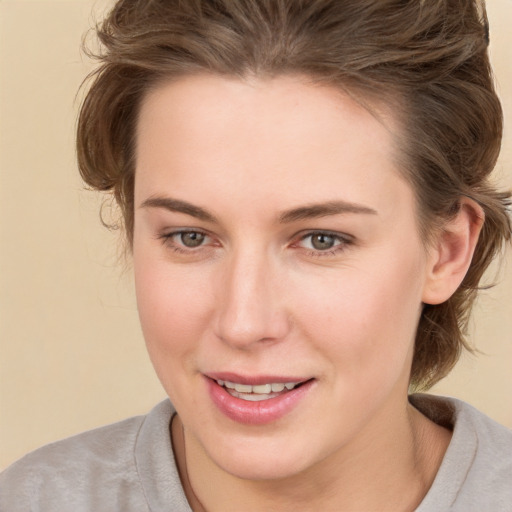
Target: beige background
column 71, row 352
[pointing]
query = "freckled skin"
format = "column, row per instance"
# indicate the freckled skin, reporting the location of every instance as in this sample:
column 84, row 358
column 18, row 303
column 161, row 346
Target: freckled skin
column 257, row 296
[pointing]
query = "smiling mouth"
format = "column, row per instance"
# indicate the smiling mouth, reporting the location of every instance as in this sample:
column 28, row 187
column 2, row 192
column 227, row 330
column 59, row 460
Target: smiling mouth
column 257, row 400
column 259, row 392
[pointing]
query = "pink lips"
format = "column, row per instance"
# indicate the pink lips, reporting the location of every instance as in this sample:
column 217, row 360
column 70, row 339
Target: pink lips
column 255, row 413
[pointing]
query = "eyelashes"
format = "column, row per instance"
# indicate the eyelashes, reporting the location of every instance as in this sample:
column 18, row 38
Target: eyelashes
column 319, row 243
column 324, row 243
column 187, row 241
column 190, row 239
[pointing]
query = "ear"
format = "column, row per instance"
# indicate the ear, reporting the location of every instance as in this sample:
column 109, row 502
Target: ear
column 451, row 253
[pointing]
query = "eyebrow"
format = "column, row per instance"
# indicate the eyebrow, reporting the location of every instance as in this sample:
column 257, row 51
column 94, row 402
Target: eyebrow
column 314, row 211
column 310, row 211
column 176, row 205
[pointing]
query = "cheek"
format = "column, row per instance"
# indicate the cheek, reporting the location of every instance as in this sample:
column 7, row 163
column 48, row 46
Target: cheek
column 174, row 307
column 364, row 317
column 173, row 314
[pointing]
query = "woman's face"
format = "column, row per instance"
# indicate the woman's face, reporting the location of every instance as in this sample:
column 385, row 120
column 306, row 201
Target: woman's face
column 275, row 243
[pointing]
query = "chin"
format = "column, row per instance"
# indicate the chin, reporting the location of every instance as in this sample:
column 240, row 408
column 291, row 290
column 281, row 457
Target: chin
column 255, row 459
column 269, row 469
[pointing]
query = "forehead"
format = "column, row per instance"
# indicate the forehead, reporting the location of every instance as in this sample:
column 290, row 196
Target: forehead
column 280, row 140
column 307, row 109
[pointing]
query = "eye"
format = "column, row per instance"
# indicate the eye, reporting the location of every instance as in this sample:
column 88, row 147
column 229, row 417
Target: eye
column 191, row 239
column 185, row 240
column 321, row 241
column 324, row 243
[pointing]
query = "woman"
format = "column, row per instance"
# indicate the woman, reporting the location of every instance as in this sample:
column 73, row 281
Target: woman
column 304, row 188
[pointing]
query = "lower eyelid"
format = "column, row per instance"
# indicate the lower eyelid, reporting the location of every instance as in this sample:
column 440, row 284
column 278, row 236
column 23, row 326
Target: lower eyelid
column 342, row 244
column 169, row 239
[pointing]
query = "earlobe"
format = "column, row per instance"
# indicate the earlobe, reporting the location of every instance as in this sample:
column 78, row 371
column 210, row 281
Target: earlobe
column 451, row 254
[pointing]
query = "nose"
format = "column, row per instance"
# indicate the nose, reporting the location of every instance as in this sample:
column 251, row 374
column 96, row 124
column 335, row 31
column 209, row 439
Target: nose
column 251, row 308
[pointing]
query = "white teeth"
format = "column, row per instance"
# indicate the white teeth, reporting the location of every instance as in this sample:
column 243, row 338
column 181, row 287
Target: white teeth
column 261, row 389
column 264, row 388
column 243, row 388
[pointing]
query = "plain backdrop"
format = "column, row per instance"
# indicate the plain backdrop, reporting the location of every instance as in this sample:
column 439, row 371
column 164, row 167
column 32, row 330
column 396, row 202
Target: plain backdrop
column 71, row 352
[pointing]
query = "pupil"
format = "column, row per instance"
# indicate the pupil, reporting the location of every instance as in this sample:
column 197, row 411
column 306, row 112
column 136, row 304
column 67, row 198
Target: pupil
column 192, row 239
column 322, row 242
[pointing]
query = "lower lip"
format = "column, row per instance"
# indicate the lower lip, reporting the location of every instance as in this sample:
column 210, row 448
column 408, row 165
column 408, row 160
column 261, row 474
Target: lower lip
column 256, row 413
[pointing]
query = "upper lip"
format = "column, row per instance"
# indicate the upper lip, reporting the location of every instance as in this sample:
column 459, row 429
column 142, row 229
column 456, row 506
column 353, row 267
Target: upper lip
column 254, row 380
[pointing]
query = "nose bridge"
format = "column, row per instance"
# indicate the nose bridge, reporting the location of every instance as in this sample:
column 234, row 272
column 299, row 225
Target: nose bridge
column 250, row 309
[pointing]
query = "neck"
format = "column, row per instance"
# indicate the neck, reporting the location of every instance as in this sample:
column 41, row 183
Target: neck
column 393, row 466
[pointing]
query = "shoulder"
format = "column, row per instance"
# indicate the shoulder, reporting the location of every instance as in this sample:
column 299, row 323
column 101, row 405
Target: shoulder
column 476, row 470
column 491, row 469
column 73, row 473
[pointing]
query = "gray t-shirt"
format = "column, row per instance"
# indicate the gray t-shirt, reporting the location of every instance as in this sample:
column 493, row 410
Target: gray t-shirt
column 129, row 467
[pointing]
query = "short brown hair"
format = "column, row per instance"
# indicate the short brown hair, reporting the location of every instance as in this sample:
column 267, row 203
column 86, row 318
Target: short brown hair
column 428, row 57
